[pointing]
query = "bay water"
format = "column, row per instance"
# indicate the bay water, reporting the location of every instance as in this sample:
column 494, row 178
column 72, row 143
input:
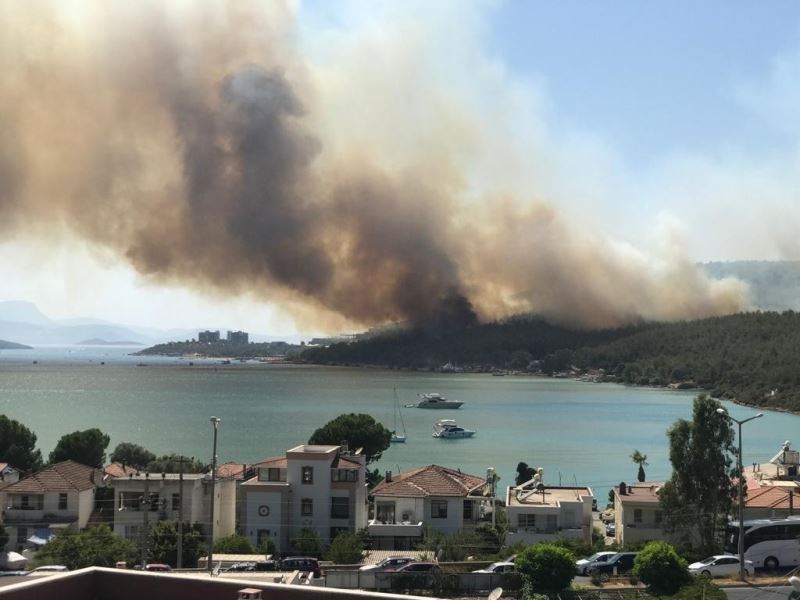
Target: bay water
column 578, row 432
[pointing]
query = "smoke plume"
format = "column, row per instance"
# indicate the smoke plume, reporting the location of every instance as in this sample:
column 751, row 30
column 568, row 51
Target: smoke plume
column 190, row 139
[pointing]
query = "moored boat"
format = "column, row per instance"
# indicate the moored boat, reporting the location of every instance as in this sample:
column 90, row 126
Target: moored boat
column 449, row 429
column 436, row 400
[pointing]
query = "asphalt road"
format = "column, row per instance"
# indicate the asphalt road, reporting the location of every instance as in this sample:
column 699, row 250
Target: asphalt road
column 759, row 593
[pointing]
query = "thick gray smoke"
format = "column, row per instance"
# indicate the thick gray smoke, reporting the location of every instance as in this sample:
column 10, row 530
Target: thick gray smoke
column 181, row 139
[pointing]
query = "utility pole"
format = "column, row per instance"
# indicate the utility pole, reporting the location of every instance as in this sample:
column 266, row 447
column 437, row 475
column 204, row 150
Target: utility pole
column 145, row 502
column 180, row 512
column 215, row 421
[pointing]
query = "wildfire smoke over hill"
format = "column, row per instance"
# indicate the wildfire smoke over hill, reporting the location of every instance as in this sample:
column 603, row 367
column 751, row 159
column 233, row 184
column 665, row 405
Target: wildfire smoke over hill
column 197, row 142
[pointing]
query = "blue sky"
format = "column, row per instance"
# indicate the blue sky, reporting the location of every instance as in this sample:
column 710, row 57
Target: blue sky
column 654, row 77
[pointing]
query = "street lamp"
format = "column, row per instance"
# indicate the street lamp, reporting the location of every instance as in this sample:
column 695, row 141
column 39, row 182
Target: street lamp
column 215, row 421
column 740, row 469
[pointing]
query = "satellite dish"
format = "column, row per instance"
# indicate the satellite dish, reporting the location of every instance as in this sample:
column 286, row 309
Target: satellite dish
column 495, row 594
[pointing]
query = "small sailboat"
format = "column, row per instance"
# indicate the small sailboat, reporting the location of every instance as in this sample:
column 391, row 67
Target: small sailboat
column 398, row 438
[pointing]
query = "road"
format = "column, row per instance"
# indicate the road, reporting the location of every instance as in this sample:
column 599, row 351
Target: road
column 766, row 592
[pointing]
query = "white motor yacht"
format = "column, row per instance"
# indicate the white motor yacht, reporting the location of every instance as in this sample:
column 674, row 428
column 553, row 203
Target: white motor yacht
column 434, row 400
column 449, row 429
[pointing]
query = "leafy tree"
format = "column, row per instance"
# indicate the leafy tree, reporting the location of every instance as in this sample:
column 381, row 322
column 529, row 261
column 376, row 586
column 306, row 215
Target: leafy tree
column 547, row 567
column 307, row 543
column 162, row 543
column 524, row 473
column 346, row 549
column 234, row 544
column 87, row 447
column 132, row 455
column 660, row 567
column 359, row 431
column 170, row 463
column 640, row 459
column 699, row 494
column 266, row 546
column 18, row 445
column 96, row 546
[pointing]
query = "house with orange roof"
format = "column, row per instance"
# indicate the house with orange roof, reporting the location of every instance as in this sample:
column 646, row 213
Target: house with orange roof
column 313, row 487
column 445, row 499
column 60, row 496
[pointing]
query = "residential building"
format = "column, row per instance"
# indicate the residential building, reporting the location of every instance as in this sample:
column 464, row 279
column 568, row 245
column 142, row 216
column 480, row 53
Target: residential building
column 637, row 513
column 321, row 488
column 158, row 495
column 208, row 337
column 58, row 497
column 540, row 513
column 445, row 499
column 238, row 337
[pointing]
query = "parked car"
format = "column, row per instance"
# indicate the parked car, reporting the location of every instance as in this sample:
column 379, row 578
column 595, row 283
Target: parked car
column 498, row 567
column 265, row 565
column 13, row 573
column 611, row 530
column 240, row 567
column 157, row 567
column 619, row 564
column 49, row 569
column 720, row 565
column 391, row 563
column 301, row 563
column 597, row 557
column 418, row 567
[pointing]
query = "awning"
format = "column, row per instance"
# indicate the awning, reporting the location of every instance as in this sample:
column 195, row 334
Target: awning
column 41, row 536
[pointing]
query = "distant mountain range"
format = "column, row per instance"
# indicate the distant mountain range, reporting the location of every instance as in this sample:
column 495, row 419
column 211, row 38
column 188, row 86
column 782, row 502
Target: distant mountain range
column 24, row 323
column 5, row 345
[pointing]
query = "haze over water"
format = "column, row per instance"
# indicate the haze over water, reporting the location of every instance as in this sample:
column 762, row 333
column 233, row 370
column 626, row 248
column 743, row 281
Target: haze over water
column 581, row 431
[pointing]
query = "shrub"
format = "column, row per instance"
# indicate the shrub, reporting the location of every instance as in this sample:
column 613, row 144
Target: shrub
column 234, row 544
column 700, row 589
column 546, row 567
column 346, row 549
column 660, row 567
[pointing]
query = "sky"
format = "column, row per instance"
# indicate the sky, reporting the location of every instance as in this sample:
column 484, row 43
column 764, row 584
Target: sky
column 651, row 124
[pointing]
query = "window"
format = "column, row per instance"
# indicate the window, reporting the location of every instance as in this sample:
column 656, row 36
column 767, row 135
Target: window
column 307, row 474
column 637, row 515
column 552, row 523
column 26, row 502
column 438, row 509
column 340, row 508
column 262, row 535
column 307, row 507
column 526, row 521
column 659, row 518
column 275, row 474
column 344, row 475
column 176, row 501
column 468, row 510
column 62, row 502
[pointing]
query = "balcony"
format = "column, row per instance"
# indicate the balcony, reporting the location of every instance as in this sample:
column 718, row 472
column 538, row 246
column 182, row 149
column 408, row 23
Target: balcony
column 379, row 529
column 22, row 516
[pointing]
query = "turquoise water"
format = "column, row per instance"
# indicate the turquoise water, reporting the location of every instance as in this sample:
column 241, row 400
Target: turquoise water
column 576, row 431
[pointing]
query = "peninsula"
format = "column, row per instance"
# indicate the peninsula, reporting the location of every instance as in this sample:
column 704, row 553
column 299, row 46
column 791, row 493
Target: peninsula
column 5, row 345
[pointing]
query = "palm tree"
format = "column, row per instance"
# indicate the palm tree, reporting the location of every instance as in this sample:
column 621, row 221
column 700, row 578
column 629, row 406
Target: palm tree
column 641, row 460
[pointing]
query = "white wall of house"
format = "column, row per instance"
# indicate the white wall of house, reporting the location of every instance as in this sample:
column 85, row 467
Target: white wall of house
column 264, row 513
column 636, row 523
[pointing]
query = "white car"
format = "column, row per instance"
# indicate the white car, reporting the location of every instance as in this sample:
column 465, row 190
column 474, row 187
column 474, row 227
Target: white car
column 46, row 569
column 388, row 564
column 498, row 567
column 721, row 565
column 597, row 557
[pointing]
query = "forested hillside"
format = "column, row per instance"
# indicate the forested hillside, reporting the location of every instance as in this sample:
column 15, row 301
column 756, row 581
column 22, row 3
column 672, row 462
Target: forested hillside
column 753, row 357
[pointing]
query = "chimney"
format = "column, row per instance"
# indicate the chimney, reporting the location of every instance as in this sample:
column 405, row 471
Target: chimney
column 388, row 477
column 623, row 489
column 344, row 449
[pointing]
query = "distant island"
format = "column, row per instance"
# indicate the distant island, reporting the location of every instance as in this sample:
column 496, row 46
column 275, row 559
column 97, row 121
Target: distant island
column 752, row 358
column 223, row 349
column 5, row 345
column 102, row 342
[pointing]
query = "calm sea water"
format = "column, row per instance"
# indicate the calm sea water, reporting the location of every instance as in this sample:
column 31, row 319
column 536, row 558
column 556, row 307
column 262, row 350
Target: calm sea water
column 576, row 431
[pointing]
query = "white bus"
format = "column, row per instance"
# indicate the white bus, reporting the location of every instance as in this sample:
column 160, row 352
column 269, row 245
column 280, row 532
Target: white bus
column 769, row 543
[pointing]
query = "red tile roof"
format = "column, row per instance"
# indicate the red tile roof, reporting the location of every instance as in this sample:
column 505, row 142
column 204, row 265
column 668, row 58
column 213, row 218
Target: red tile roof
column 61, row 477
column 431, row 480
column 640, row 492
column 231, row 470
column 343, row 462
column 119, row 470
column 771, row 497
column 276, row 462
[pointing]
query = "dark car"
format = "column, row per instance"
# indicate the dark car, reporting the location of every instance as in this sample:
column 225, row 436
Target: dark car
column 240, row 567
column 619, row 564
column 265, row 565
column 301, row 563
column 418, row 567
column 157, row 567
